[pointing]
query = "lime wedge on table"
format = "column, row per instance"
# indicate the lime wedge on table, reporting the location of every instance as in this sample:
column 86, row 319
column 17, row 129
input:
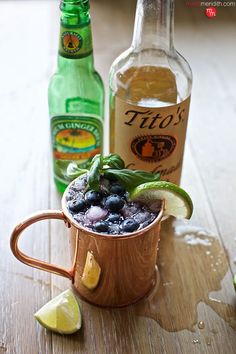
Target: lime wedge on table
column 177, row 202
column 61, row 314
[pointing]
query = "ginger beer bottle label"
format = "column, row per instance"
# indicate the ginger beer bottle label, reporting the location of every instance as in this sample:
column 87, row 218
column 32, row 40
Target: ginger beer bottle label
column 151, row 139
column 75, row 42
column 75, row 138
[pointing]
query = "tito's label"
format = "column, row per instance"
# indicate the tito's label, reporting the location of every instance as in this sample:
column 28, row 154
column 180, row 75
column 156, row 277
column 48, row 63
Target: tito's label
column 152, row 139
column 75, row 42
column 76, row 137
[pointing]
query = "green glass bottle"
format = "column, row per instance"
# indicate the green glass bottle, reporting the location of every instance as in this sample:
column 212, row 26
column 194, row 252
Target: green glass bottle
column 76, row 94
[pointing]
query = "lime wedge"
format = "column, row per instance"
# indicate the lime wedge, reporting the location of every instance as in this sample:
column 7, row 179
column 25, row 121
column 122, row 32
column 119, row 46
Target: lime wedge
column 61, row 314
column 177, row 202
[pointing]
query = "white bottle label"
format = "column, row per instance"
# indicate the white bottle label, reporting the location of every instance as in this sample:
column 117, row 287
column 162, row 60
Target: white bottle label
column 151, row 139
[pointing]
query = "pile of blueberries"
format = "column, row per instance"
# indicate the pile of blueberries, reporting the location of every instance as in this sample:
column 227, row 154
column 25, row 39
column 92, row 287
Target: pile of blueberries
column 108, row 211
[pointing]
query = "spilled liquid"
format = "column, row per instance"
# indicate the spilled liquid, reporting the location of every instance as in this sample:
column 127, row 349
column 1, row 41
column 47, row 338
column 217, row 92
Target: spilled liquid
column 191, row 264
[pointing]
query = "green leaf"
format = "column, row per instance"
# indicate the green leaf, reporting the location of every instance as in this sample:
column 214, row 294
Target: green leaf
column 114, row 161
column 73, row 171
column 94, row 172
column 131, row 179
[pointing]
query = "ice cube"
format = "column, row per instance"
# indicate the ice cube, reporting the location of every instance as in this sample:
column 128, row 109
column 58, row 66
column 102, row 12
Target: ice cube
column 142, row 216
column 70, row 195
column 95, row 213
column 80, row 218
column 80, row 184
column 129, row 210
column 114, row 229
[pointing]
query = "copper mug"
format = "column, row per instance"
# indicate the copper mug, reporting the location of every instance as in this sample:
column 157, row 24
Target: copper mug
column 127, row 262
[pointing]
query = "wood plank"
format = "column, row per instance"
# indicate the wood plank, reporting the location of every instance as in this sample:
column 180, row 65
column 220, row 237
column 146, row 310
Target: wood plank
column 25, row 165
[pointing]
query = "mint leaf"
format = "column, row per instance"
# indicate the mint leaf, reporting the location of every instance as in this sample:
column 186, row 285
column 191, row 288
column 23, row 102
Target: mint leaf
column 94, row 172
column 131, row 179
column 73, row 171
column 114, row 161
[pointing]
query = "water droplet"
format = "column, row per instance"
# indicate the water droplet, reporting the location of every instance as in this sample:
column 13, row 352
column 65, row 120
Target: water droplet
column 208, row 341
column 214, row 331
column 193, row 240
column 167, row 283
column 195, row 341
column 208, row 252
column 215, row 300
column 201, row 325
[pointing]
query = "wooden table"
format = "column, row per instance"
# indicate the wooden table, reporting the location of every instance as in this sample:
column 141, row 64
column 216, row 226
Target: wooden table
column 193, row 308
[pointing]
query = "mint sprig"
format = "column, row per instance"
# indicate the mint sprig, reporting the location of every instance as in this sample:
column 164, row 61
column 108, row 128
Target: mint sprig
column 131, row 178
column 113, row 161
column 111, row 167
column 94, row 172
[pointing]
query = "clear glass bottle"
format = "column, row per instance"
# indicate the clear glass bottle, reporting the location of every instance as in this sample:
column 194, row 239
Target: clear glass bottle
column 76, row 94
column 150, row 87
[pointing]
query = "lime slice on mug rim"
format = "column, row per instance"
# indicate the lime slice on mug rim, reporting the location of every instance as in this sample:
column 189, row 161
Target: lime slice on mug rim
column 177, row 202
column 61, row 314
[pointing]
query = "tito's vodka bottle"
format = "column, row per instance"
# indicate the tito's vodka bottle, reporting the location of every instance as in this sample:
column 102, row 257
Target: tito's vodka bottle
column 76, row 94
column 150, row 86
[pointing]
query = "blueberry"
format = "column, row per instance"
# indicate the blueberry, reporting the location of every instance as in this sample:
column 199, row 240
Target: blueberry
column 116, row 188
column 129, row 225
column 93, row 197
column 114, row 203
column 76, row 205
column 101, row 226
column 113, row 217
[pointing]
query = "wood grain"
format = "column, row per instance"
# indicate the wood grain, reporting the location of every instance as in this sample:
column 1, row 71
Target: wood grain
column 29, row 39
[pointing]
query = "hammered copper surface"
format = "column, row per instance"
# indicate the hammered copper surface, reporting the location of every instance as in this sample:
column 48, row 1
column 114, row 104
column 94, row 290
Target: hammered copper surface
column 127, row 265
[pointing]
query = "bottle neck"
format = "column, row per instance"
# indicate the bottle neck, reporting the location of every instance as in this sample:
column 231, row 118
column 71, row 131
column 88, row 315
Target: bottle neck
column 75, row 41
column 154, row 25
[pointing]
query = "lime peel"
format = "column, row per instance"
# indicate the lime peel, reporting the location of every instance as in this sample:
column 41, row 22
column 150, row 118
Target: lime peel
column 177, row 201
column 61, row 314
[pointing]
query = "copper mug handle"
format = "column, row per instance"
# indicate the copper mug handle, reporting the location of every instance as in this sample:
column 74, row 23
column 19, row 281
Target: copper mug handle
column 32, row 262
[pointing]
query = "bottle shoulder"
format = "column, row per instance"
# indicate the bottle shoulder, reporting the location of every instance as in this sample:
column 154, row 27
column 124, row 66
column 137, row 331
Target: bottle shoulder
column 75, row 79
column 84, row 93
column 155, row 67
